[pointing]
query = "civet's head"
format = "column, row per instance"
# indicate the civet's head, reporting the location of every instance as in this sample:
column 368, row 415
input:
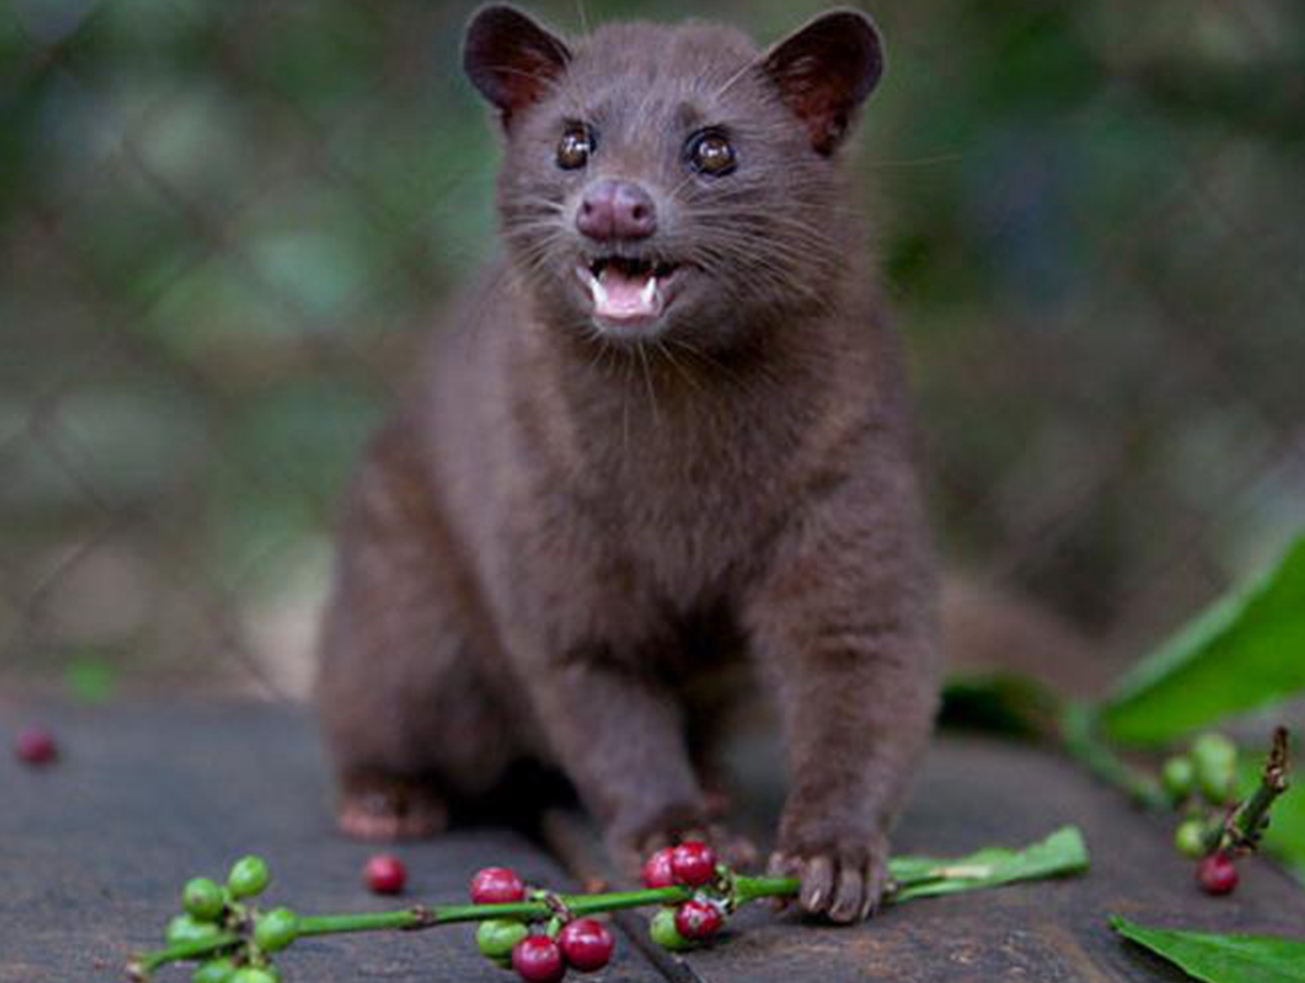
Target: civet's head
column 664, row 181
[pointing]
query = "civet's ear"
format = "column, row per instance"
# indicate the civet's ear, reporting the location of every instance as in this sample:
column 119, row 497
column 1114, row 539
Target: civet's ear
column 511, row 59
column 825, row 70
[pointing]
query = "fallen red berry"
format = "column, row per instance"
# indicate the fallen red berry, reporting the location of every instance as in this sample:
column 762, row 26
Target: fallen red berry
column 385, row 874
column 35, row 746
column 698, row 920
column 694, row 864
column 658, row 870
column 586, row 944
column 538, row 959
column 497, row 885
column 1217, row 874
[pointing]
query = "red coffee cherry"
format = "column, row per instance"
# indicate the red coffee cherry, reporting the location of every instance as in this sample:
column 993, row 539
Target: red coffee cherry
column 385, row 874
column 538, row 959
column 698, row 920
column 694, row 864
column 586, row 944
column 497, row 885
column 658, row 870
column 1217, row 874
column 35, row 746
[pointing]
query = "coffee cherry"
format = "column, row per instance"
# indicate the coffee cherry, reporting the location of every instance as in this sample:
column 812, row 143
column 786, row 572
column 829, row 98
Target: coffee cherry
column 497, row 885
column 385, row 874
column 1215, row 759
column 248, row 876
column 497, row 937
column 1189, row 838
column 662, row 930
column 538, row 959
column 203, row 899
column 1217, row 874
column 276, row 929
column 694, row 864
column 184, row 928
column 586, row 944
column 255, row 974
column 698, row 920
column 658, row 870
column 35, row 746
column 1219, row 791
column 1178, row 776
column 214, row 971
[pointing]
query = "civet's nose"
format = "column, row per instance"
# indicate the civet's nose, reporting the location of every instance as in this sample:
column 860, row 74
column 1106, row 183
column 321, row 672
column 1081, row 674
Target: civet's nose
column 613, row 209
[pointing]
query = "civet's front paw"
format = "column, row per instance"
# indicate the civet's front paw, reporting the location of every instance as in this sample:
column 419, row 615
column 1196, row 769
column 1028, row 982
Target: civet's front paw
column 843, row 877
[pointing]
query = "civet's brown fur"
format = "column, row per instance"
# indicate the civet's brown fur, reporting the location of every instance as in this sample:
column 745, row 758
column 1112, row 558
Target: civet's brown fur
column 560, row 535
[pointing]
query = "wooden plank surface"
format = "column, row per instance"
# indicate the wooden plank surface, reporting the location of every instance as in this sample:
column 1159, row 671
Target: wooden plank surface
column 93, row 850
column 974, row 793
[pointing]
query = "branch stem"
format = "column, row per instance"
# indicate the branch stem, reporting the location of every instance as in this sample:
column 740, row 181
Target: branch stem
column 421, row 917
column 1079, row 737
column 1242, row 829
column 1060, row 853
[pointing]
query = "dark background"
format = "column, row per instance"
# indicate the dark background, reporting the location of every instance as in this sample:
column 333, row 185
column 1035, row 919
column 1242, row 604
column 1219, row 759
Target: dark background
column 224, row 226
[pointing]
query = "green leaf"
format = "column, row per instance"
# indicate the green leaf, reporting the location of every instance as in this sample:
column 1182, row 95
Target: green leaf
column 1285, row 837
column 1244, row 652
column 1222, row 958
column 1060, row 854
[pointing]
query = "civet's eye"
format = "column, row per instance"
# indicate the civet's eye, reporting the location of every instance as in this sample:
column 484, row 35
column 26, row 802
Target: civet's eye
column 576, row 145
column 711, row 153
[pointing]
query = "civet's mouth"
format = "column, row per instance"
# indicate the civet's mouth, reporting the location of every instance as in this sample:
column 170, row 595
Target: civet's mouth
column 628, row 292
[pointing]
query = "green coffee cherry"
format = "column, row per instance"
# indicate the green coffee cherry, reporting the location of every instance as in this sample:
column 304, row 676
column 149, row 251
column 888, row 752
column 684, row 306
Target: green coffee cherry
column 255, row 974
column 495, row 938
column 276, row 929
column 249, row 876
column 1215, row 758
column 184, row 928
column 202, row 899
column 1178, row 777
column 214, row 971
column 665, row 934
column 1189, row 838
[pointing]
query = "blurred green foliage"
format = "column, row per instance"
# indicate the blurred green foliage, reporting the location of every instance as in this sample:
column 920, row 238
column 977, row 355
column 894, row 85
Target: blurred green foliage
column 223, row 228
column 1245, row 652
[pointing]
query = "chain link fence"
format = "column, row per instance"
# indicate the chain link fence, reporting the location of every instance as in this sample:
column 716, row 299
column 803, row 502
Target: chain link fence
column 224, row 228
